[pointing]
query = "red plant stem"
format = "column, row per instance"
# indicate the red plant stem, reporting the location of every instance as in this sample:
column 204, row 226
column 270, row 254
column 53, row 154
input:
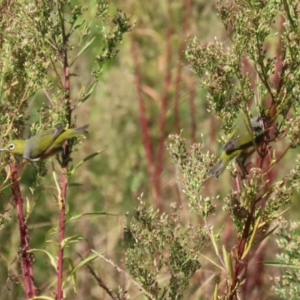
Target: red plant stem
column 67, row 152
column 278, row 81
column 67, row 89
column 193, row 112
column 26, row 257
column 178, row 88
column 62, row 230
column 186, row 25
column 239, row 263
column 164, row 103
column 66, row 68
column 256, row 280
column 278, row 76
column 227, row 236
column 147, row 142
column 213, row 129
column 249, row 71
column 192, row 87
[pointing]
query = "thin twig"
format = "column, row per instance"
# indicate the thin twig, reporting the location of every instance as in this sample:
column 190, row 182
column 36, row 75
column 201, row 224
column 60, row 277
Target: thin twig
column 99, row 280
column 65, row 157
column 164, row 105
column 186, row 26
column 193, row 112
column 240, row 264
column 147, row 142
column 61, row 234
column 126, row 274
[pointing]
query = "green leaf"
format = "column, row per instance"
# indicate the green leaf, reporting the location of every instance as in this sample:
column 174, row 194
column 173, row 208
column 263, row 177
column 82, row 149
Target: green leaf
column 49, row 233
column 96, row 213
column 41, row 298
column 52, row 259
column 87, row 45
column 81, row 264
column 280, row 264
column 74, row 184
column 83, row 161
column 71, row 239
column 79, row 25
column 88, row 94
column 73, row 276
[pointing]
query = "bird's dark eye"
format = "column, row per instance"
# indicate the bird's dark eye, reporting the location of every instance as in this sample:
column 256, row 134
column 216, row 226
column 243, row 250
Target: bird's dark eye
column 11, row 146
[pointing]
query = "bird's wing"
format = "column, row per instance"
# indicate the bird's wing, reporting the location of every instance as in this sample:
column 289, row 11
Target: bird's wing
column 39, row 143
column 232, row 144
column 52, row 133
column 240, row 141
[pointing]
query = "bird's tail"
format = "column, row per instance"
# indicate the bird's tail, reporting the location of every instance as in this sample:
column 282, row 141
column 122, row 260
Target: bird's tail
column 218, row 169
column 75, row 132
column 82, row 130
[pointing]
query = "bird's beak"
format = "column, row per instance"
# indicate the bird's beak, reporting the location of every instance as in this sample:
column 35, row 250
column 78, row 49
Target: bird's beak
column 3, row 149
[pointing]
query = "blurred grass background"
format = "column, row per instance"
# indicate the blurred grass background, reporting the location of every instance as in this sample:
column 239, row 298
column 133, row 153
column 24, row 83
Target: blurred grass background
column 113, row 180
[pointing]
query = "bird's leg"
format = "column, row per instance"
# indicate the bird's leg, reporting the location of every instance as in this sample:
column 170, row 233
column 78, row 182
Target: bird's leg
column 66, row 161
column 32, row 159
column 241, row 163
column 62, row 157
column 28, row 152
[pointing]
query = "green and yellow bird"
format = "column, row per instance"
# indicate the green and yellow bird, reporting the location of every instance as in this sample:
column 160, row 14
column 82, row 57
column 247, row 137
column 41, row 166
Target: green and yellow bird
column 241, row 144
column 44, row 144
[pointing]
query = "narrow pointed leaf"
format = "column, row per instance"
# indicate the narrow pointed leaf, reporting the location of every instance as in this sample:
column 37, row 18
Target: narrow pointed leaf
column 71, row 239
column 87, row 45
column 73, row 277
column 88, row 94
column 83, row 161
column 95, row 213
column 52, row 259
column 82, row 264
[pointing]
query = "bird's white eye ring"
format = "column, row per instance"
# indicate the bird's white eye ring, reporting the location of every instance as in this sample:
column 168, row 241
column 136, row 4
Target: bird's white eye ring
column 11, row 146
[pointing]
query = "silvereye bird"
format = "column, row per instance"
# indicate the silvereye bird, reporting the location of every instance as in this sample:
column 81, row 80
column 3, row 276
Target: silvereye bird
column 44, row 144
column 240, row 145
